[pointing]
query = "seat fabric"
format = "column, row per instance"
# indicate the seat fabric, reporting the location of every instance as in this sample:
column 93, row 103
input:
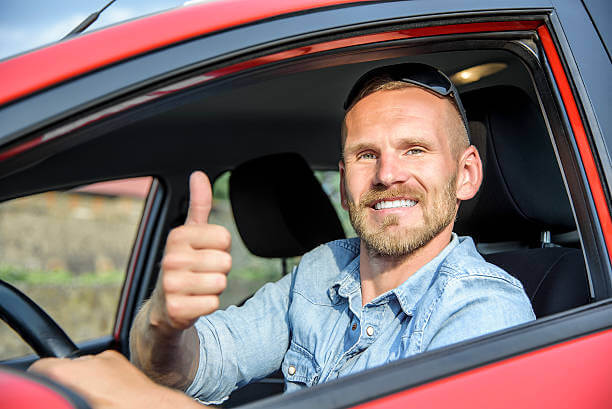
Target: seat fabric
column 280, row 208
column 522, row 195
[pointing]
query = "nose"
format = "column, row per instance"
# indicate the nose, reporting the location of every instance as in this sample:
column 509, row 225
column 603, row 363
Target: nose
column 390, row 170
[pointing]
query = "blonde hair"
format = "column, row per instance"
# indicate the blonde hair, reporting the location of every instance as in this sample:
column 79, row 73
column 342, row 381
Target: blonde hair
column 458, row 137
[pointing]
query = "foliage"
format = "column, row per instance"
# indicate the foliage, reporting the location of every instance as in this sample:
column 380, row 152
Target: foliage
column 221, row 187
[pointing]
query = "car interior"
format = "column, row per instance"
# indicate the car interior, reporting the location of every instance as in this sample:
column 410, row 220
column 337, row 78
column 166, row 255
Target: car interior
column 272, row 126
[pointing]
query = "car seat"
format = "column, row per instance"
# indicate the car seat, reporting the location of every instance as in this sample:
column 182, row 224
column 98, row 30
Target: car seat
column 279, row 207
column 522, row 202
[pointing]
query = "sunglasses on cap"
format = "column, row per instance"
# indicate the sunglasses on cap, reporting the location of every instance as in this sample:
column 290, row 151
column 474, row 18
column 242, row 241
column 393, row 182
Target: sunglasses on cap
column 421, row 75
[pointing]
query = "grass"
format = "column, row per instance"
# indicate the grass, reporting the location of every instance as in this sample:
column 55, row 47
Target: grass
column 20, row 275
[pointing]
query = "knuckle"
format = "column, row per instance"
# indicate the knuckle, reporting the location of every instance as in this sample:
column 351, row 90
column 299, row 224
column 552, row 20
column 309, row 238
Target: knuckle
column 225, row 237
column 54, row 372
column 177, row 236
column 214, row 303
column 171, row 283
column 174, row 236
column 110, row 354
column 221, row 282
column 226, row 262
column 169, row 262
column 173, row 308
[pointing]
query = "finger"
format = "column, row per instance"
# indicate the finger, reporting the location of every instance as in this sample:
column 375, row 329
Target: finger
column 42, row 365
column 183, row 310
column 200, row 198
column 199, row 236
column 203, row 261
column 188, row 283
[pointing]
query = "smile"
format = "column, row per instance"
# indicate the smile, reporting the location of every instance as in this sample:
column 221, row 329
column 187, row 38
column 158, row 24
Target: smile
column 392, row 204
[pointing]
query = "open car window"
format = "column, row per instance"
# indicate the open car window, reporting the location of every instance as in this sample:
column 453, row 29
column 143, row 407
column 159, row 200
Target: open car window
column 68, row 250
column 538, row 215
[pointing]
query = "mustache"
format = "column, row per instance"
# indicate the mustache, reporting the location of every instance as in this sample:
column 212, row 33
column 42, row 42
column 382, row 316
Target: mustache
column 381, row 193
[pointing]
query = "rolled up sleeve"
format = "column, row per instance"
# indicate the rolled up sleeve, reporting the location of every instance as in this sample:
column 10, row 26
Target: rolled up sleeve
column 242, row 344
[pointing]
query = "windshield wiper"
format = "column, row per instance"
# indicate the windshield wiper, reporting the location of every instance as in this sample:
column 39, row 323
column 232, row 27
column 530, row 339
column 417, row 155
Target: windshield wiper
column 88, row 21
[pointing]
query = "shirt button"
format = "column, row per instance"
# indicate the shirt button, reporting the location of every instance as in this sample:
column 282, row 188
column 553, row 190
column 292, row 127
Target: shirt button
column 370, row 331
column 291, row 370
column 354, row 327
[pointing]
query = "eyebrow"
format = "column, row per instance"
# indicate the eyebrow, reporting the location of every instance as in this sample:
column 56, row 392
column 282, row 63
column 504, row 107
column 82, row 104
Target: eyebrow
column 361, row 146
column 402, row 141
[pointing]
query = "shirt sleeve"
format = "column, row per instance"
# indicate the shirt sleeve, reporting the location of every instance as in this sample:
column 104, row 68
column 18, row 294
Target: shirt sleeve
column 240, row 344
column 475, row 306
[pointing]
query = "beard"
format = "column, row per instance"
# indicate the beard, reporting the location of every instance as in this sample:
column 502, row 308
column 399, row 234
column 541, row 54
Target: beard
column 438, row 209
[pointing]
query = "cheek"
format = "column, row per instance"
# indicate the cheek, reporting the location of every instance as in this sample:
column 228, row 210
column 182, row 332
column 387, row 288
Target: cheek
column 355, row 184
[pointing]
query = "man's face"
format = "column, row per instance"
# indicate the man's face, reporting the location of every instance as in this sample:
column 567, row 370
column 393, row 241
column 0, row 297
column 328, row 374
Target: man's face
column 399, row 175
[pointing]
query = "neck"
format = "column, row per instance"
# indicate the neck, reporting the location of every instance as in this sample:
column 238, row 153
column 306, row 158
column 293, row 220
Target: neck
column 380, row 274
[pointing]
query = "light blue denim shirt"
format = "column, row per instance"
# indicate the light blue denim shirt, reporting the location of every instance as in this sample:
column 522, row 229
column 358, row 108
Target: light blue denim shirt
column 312, row 325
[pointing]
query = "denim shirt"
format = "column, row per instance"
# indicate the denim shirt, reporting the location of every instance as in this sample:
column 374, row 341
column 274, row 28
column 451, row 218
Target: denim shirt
column 313, row 326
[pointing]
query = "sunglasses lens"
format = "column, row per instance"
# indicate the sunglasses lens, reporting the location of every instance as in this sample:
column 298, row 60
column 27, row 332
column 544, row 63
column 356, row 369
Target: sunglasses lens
column 427, row 77
column 414, row 73
column 419, row 74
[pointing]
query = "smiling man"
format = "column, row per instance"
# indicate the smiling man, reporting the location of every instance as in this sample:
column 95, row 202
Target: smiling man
column 406, row 285
column 407, row 163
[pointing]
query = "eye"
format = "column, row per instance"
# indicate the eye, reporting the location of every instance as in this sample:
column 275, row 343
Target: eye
column 366, row 155
column 414, row 151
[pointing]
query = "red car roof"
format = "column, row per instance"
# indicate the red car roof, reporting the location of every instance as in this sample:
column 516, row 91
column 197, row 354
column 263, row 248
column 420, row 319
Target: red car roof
column 63, row 60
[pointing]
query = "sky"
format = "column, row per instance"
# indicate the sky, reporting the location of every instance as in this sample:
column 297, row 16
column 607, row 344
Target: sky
column 28, row 24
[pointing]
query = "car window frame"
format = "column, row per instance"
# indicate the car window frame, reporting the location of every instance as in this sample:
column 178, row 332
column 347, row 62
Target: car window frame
column 569, row 320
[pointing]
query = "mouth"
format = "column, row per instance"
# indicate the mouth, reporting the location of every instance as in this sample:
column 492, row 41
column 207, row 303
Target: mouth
column 393, row 204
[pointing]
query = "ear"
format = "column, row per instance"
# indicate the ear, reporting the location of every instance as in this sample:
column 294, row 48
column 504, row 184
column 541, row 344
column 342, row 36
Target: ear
column 343, row 196
column 469, row 175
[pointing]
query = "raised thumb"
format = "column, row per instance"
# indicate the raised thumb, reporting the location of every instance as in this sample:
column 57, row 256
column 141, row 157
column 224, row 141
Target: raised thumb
column 200, row 198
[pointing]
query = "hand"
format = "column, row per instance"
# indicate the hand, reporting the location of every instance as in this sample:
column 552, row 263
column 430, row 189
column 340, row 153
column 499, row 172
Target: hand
column 195, row 264
column 108, row 380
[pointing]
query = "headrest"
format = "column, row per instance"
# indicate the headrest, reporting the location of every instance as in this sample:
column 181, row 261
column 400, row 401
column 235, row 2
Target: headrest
column 280, row 208
column 522, row 193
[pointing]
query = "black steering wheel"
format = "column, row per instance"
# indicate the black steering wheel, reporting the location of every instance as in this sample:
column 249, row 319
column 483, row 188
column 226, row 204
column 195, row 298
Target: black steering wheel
column 34, row 325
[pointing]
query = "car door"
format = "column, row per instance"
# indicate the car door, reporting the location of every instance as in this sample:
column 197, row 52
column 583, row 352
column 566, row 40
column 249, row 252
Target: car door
column 105, row 93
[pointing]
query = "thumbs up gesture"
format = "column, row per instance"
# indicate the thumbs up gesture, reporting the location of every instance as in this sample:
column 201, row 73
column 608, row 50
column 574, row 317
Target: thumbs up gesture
column 195, row 264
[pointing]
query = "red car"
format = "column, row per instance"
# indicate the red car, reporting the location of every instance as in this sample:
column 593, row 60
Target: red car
column 214, row 86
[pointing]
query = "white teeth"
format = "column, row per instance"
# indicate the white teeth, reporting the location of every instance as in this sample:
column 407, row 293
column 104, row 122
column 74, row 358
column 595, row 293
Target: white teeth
column 394, row 203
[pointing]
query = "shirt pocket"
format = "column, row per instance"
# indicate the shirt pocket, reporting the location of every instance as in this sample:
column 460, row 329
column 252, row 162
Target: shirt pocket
column 299, row 366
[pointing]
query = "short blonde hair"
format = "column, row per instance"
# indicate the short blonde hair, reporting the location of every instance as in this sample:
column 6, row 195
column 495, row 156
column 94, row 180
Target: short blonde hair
column 458, row 136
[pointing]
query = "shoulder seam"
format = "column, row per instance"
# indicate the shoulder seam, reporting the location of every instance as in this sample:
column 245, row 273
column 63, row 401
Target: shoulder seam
column 454, row 274
column 345, row 244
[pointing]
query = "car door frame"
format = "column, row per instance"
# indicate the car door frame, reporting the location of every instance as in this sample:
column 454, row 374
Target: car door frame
column 579, row 323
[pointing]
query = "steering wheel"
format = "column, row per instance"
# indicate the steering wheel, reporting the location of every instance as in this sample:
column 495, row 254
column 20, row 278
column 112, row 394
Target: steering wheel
column 34, row 325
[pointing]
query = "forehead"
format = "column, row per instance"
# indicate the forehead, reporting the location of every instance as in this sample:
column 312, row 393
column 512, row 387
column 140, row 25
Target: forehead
column 412, row 110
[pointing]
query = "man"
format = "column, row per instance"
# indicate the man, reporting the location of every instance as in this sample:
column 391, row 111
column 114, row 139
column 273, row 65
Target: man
column 407, row 285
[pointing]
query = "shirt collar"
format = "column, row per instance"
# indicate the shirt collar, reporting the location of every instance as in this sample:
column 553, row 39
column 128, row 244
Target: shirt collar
column 347, row 281
column 412, row 290
column 408, row 293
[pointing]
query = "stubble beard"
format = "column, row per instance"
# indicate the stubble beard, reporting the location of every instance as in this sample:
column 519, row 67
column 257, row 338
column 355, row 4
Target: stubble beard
column 438, row 209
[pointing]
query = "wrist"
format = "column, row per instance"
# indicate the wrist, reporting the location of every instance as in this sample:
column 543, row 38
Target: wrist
column 167, row 398
column 158, row 322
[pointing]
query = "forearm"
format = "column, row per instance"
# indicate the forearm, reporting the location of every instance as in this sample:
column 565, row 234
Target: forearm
column 166, row 355
column 107, row 380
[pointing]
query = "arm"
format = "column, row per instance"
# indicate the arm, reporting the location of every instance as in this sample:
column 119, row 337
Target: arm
column 242, row 343
column 108, row 380
column 163, row 342
column 167, row 356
